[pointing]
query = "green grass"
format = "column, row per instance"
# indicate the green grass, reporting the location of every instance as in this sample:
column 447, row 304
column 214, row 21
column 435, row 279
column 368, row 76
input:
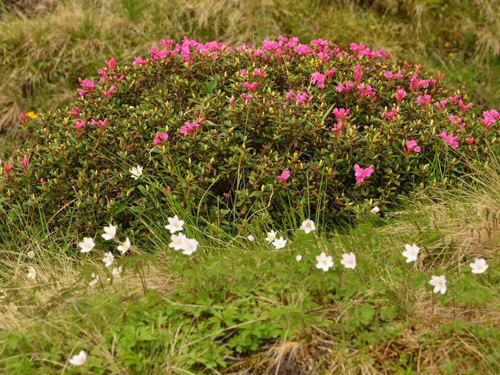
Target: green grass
column 46, row 48
column 238, row 304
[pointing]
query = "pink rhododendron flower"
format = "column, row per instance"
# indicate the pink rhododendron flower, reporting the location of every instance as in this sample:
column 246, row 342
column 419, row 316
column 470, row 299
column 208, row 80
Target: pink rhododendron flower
column 329, row 74
column 284, row 176
column 111, row 64
column 391, row 114
column 424, row 100
column 75, row 112
column 139, row 60
column 357, row 73
column 260, row 73
column 188, row 127
column 318, row 79
column 7, row 169
column 108, row 92
column 368, row 91
column 116, row 79
column 361, row 173
column 337, row 127
column 454, row 120
column 24, row 163
column 341, row 114
column 452, row 141
column 341, row 87
column 246, row 97
column 453, row 99
column 160, row 137
column 412, row 146
column 470, row 141
column 243, row 72
column 463, row 107
column 440, row 76
column 400, row 95
column 101, row 123
column 252, row 87
column 79, row 125
column 390, row 75
column 231, row 101
column 24, row 118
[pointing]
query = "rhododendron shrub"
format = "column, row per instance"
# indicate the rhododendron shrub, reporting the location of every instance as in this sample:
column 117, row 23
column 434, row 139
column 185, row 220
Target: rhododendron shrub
column 214, row 126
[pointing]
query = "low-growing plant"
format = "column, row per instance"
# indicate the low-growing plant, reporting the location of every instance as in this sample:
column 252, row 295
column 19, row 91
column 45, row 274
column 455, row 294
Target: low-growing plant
column 234, row 135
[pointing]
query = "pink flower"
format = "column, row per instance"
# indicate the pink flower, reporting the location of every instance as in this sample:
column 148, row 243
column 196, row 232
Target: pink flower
column 340, row 114
column 101, row 123
column 463, row 107
column 111, row 64
column 260, row 73
column 7, row 169
column 341, row 87
column 337, row 127
column 453, row 100
column 75, row 112
column 357, row 73
column 470, row 141
column 188, row 127
column 252, row 87
column 319, row 79
column 424, row 100
column 231, row 101
column 440, row 76
column 400, row 95
column 24, row 118
column 243, row 72
column 24, row 163
column 391, row 114
column 330, row 72
column 79, row 125
column 116, row 79
column 368, row 91
column 107, row 93
column 284, row 176
column 361, row 173
column 246, row 97
column 412, row 146
column 452, row 141
column 41, row 182
column 160, row 137
column 139, row 60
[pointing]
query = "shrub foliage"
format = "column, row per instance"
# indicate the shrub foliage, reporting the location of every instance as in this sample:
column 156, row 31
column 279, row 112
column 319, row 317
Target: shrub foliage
column 234, row 135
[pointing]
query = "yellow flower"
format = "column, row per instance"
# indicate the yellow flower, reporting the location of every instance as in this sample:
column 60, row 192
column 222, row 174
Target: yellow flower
column 32, row 115
column 447, row 44
column 451, row 54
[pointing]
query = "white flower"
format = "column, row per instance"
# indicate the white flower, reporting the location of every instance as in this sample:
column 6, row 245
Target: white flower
column 251, row 238
column 271, row 236
column 324, row 262
column 95, row 279
column 3, row 293
column 308, row 226
column 279, row 243
column 136, row 172
column 439, row 284
column 31, row 254
column 349, row 260
column 87, row 244
column 177, row 241
column 411, row 253
column 31, row 273
column 298, row 258
column 174, row 224
column 109, row 232
column 124, row 246
column 79, row 359
column 479, row 266
column 117, row 271
column 108, row 259
column 190, row 246
column 375, row 210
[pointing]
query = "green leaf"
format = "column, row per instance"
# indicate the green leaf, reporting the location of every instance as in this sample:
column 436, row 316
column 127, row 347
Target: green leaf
column 210, row 86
